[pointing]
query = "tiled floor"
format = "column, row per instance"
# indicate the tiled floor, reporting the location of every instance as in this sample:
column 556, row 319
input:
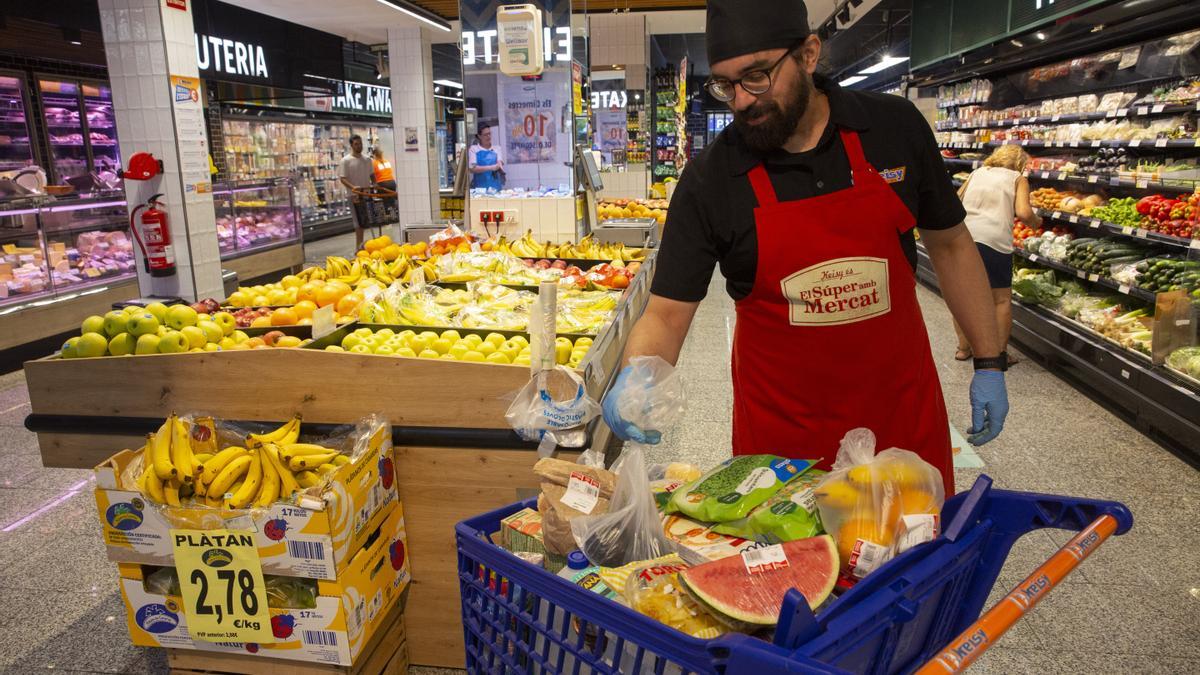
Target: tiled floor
column 1132, row 608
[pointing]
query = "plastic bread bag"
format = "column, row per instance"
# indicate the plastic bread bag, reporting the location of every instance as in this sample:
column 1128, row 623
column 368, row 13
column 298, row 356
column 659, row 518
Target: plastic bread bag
column 789, row 514
column 632, row 529
column 878, row 505
column 731, row 489
column 654, row 590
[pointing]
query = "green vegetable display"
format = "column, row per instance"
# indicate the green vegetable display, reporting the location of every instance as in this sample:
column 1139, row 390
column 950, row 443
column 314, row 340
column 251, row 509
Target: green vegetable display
column 1121, row 212
column 1038, row 287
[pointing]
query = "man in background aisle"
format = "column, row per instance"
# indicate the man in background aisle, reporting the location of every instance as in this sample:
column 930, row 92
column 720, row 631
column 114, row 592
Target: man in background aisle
column 356, row 171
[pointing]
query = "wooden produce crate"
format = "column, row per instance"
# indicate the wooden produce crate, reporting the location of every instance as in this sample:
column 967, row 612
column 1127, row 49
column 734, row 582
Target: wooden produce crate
column 386, row 654
column 287, row 259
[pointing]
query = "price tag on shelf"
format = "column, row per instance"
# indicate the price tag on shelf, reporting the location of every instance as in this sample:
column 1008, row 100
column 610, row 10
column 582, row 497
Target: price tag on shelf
column 1093, row 179
column 1198, row 106
column 221, row 583
column 1093, row 277
column 1135, row 142
column 1139, row 233
column 1142, row 110
column 1123, row 289
column 1122, row 112
column 1160, row 143
column 1127, row 230
column 1095, row 144
column 1195, row 244
column 1045, row 174
column 1095, row 223
column 1056, row 215
column 1159, row 108
column 323, row 322
column 1033, row 257
column 1062, row 175
column 1074, row 218
column 1125, row 373
column 1111, row 113
column 1054, row 118
column 1114, row 181
column 1142, row 183
column 1032, row 120
column 1080, row 274
column 976, row 164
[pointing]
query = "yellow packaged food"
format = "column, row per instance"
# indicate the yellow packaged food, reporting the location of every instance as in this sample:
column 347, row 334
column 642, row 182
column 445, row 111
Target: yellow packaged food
column 653, row 590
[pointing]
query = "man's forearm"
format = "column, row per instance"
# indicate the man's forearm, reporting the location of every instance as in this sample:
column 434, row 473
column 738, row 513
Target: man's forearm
column 964, row 286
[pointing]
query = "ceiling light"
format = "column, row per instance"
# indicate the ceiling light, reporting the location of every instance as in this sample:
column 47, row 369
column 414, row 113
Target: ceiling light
column 72, row 35
column 448, row 98
column 854, row 79
column 416, row 13
column 448, row 83
column 884, row 63
column 1097, row 28
column 1040, row 35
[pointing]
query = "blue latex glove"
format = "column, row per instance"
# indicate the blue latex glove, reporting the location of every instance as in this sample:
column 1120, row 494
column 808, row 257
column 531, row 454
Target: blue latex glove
column 623, row 428
column 989, row 406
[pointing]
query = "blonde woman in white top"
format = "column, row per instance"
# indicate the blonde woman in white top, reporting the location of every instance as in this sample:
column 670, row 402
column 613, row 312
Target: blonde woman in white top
column 994, row 195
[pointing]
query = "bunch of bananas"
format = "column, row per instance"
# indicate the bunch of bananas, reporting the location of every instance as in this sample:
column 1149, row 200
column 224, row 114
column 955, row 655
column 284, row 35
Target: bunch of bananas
column 313, row 274
column 587, row 249
column 270, row 467
column 354, row 273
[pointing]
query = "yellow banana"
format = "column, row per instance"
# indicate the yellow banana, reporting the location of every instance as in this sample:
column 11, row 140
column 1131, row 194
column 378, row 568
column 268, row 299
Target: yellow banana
column 287, row 452
column 213, row 501
column 269, row 492
column 302, row 462
column 202, row 457
column 171, row 492
column 219, row 461
column 234, row 470
column 287, row 482
column 249, row 489
column 326, row 469
column 290, row 430
column 307, row 479
column 154, row 487
column 181, row 450
column 160, row 452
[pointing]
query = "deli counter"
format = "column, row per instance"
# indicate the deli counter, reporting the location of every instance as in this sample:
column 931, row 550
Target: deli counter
column 258, row 227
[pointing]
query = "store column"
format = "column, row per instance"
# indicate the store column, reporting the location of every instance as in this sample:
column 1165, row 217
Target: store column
column 151, row 52
column 410, row 63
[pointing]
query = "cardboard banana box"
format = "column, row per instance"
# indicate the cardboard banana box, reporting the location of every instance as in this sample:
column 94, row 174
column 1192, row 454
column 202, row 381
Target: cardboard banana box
column 346, row 615
column 315, row 539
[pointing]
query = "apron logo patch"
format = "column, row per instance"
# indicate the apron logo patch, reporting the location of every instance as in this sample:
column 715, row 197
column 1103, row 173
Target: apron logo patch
column 835, row 292
column 894, row 175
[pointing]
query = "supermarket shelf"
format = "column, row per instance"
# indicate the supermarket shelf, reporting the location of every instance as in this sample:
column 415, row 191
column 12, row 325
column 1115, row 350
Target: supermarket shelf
column 1123, row 231
column 1150, row 110
column 1178, row 185
column 1155, row 400
column 323, row 229
column 1131, row 291
column 1159, row 143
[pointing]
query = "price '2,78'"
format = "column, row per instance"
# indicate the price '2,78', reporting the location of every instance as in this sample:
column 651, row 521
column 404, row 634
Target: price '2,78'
column 247, row 599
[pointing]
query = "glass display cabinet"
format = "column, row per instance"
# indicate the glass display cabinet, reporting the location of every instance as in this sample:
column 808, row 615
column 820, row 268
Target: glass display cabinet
column 255, row 216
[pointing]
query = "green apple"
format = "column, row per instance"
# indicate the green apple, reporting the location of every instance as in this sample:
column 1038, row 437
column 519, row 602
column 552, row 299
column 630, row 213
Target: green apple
column 451, row 335
column 68, row 349
column 407, row 334
column 212, row 347
column 384, row 350
column 142, row 324
column 419, row 343
column 334, row 348
column 495, row 339
column 363, row 332
column 163, row 330
column 195, row 336
column 212, row 331
column 173, row 343
column 441, row 345
column 227, row 343
column 202, row 317
column 133, row 309
column 352, row 339
column 509, row 350
column 428, row 354
column 430, row 335
column 385, row 333
column 240, row 336
column 92, row 324
column 406, row 351
column 159, row 311
column 181, row 316
column 360, row 349
column 458, row 349
column 122, row 345
column 147, row 343
column 226, row 321
column 115, row 323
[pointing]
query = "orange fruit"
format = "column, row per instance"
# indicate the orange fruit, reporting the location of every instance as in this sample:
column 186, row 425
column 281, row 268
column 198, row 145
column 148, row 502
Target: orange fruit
column 341, row 285
column 305, row 308
column 284, row 316
column 329, row 294
column 260, row 322
column 916, row 500
column 306, row 321
column 861, row 528
column 348, row 303
column 308, row 292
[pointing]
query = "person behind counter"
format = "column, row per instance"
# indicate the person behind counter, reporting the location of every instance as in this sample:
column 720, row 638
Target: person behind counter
column 808, row 202
column 356, row 172
column 484, row 161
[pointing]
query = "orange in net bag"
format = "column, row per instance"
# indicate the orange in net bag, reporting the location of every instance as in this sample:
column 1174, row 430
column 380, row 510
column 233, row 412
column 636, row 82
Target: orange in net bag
column 877, row 506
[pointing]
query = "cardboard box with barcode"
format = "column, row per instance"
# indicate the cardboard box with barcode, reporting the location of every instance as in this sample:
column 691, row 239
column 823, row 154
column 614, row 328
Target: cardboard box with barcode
column 522, row 533
column 334, row 630
column 313, row 538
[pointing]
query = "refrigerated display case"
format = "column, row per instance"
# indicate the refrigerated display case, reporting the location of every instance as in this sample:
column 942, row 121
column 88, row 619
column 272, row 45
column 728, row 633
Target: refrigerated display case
column 16, row 146
column 255, row 216
column 308, row 153
column 81, row 129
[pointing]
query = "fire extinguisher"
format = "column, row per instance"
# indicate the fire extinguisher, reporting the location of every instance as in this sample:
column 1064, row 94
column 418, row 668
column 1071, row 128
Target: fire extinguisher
column 153, row 235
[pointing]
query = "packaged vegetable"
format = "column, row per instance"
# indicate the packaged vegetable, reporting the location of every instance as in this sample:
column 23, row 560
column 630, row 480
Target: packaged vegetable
column 654, row 590
column 877, row 506
column 617, row 577
column 730, row 490
column 789, row 514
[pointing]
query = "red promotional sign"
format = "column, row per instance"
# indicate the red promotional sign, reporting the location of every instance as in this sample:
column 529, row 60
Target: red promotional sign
column 177, row 4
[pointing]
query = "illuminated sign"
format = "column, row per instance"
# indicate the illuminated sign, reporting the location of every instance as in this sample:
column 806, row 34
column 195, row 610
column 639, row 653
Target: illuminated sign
column 605, row 100
column 364, row 98
column 479, row 47
column 221, row 55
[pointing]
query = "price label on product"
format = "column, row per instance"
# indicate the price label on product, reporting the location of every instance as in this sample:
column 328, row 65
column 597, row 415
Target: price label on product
column 221, row 582
column 1074, row 218
column 1135, row 142
column 582, row 493
column 323, row 322
column 759, row 560
column 1123, row 289
column 1159, row 108
column 1160, row 143
column 1183, row 322
column 1093, row 179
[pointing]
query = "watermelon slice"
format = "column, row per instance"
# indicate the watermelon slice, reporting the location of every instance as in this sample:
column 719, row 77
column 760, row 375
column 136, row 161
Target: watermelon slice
column 749, row 601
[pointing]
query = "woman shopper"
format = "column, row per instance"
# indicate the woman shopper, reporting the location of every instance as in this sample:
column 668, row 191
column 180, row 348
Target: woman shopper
column 994, row 195
column 485, row 161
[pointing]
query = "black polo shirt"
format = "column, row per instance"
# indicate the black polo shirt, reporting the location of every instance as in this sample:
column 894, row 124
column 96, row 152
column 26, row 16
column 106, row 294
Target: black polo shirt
column 711, row 219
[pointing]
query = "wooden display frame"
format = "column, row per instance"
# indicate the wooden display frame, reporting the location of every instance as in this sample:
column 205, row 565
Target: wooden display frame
column 254, row 265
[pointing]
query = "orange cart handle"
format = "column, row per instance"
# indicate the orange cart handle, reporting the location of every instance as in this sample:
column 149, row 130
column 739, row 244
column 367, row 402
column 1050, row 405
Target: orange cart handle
column 975, row 640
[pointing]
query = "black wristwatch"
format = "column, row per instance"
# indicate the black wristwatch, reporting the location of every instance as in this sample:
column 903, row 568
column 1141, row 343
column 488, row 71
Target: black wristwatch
column 997, row 362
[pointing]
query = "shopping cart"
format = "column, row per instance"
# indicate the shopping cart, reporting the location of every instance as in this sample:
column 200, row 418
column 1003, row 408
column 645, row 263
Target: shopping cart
column 377, row 208
column 917, row 613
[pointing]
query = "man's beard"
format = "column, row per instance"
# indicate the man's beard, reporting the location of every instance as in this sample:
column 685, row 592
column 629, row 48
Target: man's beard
column 781, row 119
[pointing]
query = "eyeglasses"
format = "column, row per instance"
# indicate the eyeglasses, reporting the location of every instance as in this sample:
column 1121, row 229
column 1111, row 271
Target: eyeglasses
column 756, row 82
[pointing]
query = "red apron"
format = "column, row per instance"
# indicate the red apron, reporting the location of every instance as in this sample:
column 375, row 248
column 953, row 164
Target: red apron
column 831, row 337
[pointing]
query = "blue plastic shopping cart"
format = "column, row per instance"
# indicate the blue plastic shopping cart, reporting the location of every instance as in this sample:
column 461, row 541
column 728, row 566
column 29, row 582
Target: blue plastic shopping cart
column 918, row 611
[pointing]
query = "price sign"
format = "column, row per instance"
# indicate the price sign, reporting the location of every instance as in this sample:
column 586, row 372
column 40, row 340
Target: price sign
column 1045, row 174
column 221, row 581
column 1122, row 112
column 1127, row 230
column 1093, row 179
column 1074, row 218
column 1095, row 144
column 1056, row 215
column 1095, row 223
column 324, row 322
column 1080, row 274
column 1142, row 183
column 1123, row 289
column 1160, row 143
column 1062, row 175
column 1143, row 110
column 1135, row 143
column 1033, row 257
column 1139, row 233
column 1159, row 108
column 1053, row 119
column 1093, row 277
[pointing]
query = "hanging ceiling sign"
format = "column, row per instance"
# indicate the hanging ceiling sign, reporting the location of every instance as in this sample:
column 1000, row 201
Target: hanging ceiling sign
column 480, row 44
